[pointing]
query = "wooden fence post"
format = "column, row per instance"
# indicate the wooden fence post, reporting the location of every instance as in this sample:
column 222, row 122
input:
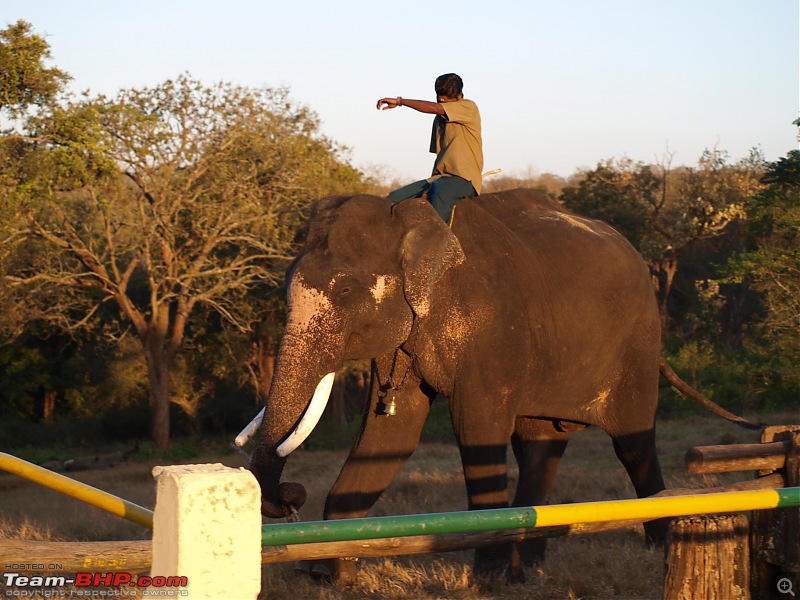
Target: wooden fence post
column 207, row 528
column 775, row 547
column 708, row 558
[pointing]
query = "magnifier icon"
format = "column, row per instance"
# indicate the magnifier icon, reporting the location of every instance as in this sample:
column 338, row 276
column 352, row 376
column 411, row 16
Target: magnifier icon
column 785, row 586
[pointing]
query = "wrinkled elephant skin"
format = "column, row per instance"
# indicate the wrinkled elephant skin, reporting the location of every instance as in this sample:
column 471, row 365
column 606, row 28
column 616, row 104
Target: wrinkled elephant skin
column 531, row 321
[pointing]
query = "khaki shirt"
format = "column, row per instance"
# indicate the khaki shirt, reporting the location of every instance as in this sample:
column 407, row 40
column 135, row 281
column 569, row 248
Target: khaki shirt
column 456, row 141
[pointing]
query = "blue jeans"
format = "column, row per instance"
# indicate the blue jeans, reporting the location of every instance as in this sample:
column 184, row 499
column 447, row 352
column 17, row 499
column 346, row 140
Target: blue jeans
column 443, row 194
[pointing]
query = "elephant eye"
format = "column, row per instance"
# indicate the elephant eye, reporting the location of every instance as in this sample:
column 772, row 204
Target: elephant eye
column 344, row 287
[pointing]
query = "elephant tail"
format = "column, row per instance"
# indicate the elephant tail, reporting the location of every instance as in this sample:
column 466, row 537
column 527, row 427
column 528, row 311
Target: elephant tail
column 691, row 393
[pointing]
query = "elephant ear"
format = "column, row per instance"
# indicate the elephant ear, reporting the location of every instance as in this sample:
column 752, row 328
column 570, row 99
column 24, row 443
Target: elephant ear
column 428, row 249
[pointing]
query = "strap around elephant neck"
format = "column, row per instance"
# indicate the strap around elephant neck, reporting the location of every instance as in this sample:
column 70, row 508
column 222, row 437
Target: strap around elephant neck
column 391, row 382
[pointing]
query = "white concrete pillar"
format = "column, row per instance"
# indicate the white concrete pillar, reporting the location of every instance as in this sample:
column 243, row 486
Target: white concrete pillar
column 207, row 528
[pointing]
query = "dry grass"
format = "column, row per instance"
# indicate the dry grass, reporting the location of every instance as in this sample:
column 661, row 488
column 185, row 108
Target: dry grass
column 609, row 565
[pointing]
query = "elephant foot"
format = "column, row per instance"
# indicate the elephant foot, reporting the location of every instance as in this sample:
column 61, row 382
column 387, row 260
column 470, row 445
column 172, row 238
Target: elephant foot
column 515, row 575
column 303, row 567
column 495, row 566
column 491, row 581
column 339, row 571
column 322, row 570
column 531, row 552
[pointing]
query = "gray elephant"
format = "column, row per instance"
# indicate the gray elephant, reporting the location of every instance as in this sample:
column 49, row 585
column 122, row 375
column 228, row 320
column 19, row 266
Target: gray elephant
column 533, row 322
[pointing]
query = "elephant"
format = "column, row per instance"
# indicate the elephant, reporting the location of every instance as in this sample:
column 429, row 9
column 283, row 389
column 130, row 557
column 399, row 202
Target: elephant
column 532, row 321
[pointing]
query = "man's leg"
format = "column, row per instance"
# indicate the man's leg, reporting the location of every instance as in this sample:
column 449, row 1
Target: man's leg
column 412, row 190
column 446, row 192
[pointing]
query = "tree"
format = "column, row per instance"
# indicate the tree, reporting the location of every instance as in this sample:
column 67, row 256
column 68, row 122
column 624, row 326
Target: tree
column 663, row 211
column 24, row 80
column 163, row 200
column 771, row 264
column 546, row 182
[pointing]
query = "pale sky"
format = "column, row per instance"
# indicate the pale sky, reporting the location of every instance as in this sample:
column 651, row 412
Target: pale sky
column 561, row 85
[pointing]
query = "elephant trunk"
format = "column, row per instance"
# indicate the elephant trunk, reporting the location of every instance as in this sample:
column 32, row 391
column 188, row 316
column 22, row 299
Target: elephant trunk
column 294, row 405
column 311, row 417
column 277, row 499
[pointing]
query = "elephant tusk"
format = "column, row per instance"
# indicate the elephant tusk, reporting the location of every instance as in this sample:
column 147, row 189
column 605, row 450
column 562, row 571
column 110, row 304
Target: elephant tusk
column 250, row 430
column 311, row 417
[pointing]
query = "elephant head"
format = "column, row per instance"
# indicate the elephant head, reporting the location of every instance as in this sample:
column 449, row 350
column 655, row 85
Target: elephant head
column 363, row 277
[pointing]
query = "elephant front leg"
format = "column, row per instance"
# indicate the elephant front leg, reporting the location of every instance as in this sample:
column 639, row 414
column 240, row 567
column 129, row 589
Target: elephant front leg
column 384, row 444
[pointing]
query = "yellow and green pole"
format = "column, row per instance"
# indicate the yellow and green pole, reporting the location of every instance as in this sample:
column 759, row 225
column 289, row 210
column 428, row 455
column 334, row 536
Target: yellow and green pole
column 643, row 509
column 78, row 490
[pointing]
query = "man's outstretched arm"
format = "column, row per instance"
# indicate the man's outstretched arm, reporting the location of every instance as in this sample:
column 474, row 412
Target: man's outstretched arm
column 423, row 106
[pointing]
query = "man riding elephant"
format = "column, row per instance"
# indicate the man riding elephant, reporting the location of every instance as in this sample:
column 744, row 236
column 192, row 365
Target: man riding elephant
column 456, row 141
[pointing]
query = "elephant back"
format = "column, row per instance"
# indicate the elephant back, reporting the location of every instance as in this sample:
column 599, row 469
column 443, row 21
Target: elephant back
column 535, row 219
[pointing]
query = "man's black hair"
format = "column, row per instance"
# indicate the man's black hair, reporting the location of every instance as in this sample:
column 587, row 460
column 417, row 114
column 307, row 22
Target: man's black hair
column 449, row 85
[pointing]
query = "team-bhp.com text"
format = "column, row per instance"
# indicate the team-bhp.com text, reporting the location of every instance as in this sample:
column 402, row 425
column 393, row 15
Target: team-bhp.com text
column 89, row 584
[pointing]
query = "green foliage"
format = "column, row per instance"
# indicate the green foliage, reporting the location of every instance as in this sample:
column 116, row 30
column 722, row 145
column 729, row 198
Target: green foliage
column 330, row 435
column 438, row 427
column 734, row 380
column 694, row 356
column 180, row 450
column 24, row 80
column 38, row 442
column 771, row 267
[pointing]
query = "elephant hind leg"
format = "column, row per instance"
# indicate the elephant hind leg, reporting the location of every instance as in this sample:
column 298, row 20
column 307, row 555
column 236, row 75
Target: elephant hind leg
column 538, row 447
column 637, row 453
